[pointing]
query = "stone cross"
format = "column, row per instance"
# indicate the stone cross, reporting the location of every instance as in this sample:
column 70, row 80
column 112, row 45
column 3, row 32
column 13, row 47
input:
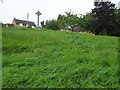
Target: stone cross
column 38, row 14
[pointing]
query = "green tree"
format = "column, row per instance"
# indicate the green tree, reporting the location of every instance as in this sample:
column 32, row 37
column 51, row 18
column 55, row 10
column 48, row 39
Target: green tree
column 104, row 21
column 52, row 24
column 69, row 20
column 43, row 24
column 117, row 33
column 90, row 23
column 62, row 21
column 72, row 20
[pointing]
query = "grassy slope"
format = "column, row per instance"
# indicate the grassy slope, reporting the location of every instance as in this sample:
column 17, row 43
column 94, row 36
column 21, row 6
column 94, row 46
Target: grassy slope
column 45, row 58
column 0, row 56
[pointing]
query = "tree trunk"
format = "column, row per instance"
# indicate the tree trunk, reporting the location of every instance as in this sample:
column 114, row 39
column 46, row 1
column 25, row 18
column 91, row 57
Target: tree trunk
column 104, row 31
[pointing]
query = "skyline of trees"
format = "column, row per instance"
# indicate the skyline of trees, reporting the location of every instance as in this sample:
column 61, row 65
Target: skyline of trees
column 104, row 19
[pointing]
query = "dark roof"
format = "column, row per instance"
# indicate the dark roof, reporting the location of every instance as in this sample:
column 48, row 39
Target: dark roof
column 24, row 22
column 9, row 25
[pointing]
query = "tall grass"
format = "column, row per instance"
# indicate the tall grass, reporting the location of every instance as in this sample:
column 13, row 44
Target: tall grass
column 54, row 59
column 0, row 56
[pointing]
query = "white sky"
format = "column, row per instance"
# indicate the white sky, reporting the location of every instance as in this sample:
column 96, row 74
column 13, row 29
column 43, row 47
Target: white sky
column 50, row 9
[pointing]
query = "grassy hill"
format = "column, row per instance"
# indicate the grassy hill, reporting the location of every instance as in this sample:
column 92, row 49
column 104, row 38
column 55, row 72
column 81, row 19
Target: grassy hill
column 55, row 59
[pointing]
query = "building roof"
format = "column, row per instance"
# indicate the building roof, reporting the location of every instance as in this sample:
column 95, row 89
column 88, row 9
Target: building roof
column 9, row 25
column 24, row 22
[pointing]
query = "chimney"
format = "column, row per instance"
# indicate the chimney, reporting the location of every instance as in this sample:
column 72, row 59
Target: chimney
column 27, row 19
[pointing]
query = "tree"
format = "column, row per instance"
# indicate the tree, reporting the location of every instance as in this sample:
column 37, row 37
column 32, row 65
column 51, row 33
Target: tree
column 118, row 19
column 43, row 24
column 68, row 20
column 52, row 24
column 72, row 20
column 104, row 21
column 62, row 21
column 117, row 31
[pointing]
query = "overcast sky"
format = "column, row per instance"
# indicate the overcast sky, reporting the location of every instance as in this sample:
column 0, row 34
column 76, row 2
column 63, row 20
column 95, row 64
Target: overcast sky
column 50, row 9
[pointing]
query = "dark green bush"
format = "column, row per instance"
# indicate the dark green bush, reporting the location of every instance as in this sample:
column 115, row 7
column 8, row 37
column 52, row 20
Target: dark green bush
column 52, row 24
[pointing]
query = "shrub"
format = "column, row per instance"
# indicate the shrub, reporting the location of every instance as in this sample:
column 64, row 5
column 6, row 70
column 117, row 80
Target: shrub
column 52, row 24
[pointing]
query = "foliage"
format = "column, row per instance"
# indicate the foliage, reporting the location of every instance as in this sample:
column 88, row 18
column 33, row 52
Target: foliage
column 69, row 20
column 3, row 25
column 54, row 59
column 62, row 21
column 87, row 21
column 52, row 24
column 117, row 32
column 72, row 20
column 105, row 18
column 43, row 24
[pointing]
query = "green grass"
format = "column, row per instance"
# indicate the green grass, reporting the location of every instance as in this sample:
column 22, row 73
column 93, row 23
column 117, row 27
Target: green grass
column 0, row 56
column 54, row 59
